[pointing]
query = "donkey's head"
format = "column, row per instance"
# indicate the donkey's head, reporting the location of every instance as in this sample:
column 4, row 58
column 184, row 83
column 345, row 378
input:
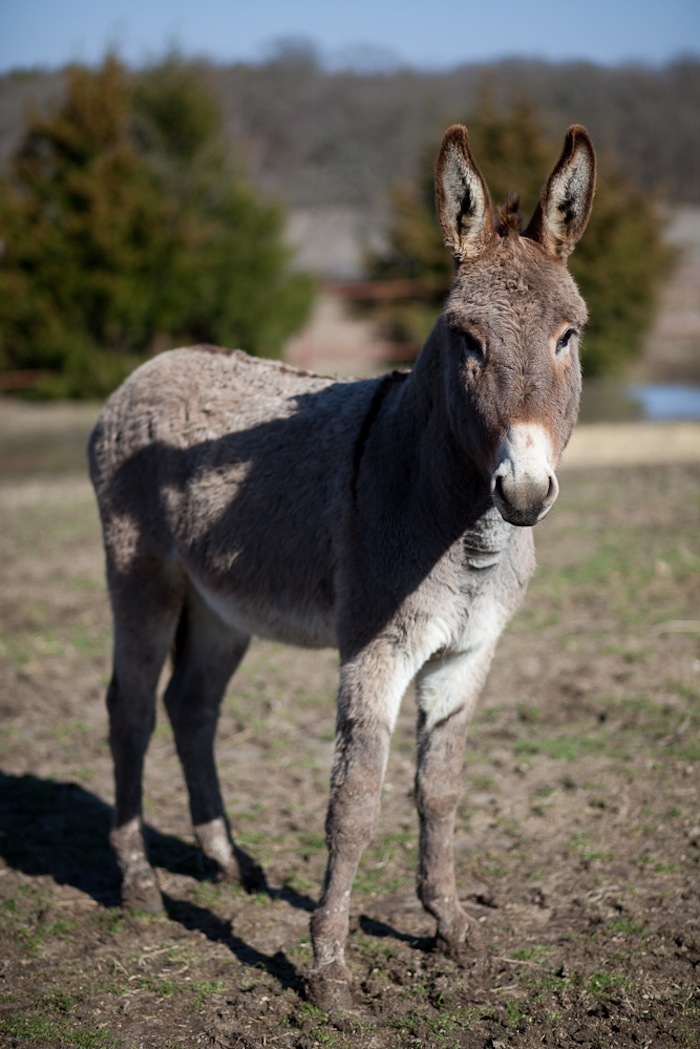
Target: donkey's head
column 512, row 322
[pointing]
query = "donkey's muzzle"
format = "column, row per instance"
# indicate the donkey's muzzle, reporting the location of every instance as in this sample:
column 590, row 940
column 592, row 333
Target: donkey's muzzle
column 523, row 485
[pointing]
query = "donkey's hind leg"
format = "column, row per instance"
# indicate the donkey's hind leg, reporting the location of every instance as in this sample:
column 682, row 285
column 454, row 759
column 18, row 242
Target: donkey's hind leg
column 207, row 652
column 145, row 605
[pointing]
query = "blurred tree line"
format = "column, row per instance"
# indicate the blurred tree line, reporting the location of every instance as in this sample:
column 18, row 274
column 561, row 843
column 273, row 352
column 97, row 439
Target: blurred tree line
column 314, row 136
column 125, row 227
column 619, row 264
column 125, row 230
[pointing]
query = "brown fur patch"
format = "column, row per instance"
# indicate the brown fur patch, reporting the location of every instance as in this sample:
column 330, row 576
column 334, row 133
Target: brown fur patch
column 509, row 220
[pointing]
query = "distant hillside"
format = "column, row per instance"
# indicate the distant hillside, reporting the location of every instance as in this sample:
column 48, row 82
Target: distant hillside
column 315, row 138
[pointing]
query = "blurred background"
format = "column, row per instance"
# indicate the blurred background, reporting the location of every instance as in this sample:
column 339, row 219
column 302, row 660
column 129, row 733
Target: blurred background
column 261, row 176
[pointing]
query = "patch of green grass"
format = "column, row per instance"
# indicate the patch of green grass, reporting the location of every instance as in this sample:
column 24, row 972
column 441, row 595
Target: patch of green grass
column 422, row 1026
column 50, row 1022
column 543, row 983
column 535, row 952
column 627, row 926
column 208, row 894
column 584, row 845
column 563, row 747
column 28, row 917
column 25, row 646
column 204, row 989
column 313, row 841
column 158, row 986
column 86, row 584
column 19, row 648
column 482, row 781
column 529, row 713
column 540, row 809
column 517, row 1013
column 109, row 921
column 162, row 732
column 386, row 864
column 301, row 884
column 89, row 642
column 536, row 619
column 375, row 951
column 491, row 869
column 374, row 879
column 689, row 752
column 604, row 984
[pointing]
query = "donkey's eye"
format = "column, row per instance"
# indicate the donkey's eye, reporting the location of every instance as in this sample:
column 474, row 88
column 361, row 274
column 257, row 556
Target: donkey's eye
column 564, row 341
column 473, row 346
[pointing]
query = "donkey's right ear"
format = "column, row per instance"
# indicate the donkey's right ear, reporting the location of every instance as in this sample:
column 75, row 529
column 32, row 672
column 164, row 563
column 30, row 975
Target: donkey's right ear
column 462, row 197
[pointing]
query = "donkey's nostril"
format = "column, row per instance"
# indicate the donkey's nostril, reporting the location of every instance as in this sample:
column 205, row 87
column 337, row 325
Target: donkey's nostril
column 552, row 491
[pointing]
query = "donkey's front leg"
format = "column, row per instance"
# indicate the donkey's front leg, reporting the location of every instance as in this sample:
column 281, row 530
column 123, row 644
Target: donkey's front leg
column 367, row 709
column 447, row 691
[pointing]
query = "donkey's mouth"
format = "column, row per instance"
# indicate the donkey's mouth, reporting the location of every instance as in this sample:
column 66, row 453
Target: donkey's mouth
column 523, row 485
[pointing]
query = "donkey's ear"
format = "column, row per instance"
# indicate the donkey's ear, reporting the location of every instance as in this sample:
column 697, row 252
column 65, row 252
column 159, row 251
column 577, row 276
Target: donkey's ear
column 463, row 201
column 565, row 203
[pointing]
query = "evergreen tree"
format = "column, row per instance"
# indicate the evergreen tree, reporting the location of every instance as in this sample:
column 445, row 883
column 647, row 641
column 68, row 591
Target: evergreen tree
column 228, row 278
column 618, row 264
column 124, row 232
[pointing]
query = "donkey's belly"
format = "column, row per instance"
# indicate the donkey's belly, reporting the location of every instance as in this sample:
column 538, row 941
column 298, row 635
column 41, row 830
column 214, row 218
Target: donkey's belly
column 306, row 623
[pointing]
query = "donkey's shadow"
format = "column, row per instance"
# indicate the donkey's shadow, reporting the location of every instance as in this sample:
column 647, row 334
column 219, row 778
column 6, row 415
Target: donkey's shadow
column 61, row 830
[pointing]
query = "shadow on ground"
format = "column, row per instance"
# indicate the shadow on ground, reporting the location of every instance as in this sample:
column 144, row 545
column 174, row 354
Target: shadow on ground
column 61, row 830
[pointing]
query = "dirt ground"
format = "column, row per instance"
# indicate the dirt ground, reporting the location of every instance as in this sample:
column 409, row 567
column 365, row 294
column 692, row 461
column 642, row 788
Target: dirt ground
column 578, row 844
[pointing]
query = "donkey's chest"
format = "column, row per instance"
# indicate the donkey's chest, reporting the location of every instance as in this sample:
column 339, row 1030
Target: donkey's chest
column 475, row 589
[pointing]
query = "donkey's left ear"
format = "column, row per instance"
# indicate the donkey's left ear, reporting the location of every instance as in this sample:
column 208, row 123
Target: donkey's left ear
column 565, row 203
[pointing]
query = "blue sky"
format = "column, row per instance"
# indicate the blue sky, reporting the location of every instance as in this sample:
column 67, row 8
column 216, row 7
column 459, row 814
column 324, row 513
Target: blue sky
column 423, row 33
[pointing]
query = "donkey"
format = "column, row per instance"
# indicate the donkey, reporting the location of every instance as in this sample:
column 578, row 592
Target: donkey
column 390, row 518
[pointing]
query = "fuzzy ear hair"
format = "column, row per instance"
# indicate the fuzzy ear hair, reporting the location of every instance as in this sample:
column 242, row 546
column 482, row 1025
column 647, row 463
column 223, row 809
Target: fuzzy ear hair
column 565, row 203
column 462, row 197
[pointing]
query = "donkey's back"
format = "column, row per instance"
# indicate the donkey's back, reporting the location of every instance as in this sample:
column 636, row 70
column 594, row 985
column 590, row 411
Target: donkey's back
column 232, row 471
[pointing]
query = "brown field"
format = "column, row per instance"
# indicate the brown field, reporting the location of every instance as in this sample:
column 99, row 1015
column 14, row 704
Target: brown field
column 579, row 834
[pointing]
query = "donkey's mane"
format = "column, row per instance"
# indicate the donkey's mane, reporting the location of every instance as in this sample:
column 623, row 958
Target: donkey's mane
column 509, row 220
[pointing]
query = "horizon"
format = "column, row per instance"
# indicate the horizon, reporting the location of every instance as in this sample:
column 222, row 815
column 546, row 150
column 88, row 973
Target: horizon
column 38, row 35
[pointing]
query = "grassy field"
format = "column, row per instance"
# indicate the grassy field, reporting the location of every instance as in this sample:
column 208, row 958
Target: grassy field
column 579, row 833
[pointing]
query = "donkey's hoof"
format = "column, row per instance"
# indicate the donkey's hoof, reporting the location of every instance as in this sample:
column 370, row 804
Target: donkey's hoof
column 330, row 988
column 460, row 945
column 141, row 895
column 242, row 870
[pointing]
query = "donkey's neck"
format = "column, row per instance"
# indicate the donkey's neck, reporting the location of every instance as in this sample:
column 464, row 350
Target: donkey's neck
column 444, row 491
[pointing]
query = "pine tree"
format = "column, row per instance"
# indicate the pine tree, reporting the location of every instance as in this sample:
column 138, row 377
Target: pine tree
column 77, row 218
column 123, row 232
column 228, row 278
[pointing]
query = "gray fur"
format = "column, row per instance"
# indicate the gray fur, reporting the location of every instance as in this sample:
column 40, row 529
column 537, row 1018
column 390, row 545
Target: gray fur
column 241, row 497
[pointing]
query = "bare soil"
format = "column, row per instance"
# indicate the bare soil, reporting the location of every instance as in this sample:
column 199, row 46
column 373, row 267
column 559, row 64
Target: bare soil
column 578, row 844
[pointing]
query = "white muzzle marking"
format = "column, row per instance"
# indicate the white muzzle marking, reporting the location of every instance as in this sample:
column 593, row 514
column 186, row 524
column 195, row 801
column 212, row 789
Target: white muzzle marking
column 523, row 485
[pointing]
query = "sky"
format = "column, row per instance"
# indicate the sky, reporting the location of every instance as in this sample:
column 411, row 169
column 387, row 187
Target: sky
column 427, row 34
